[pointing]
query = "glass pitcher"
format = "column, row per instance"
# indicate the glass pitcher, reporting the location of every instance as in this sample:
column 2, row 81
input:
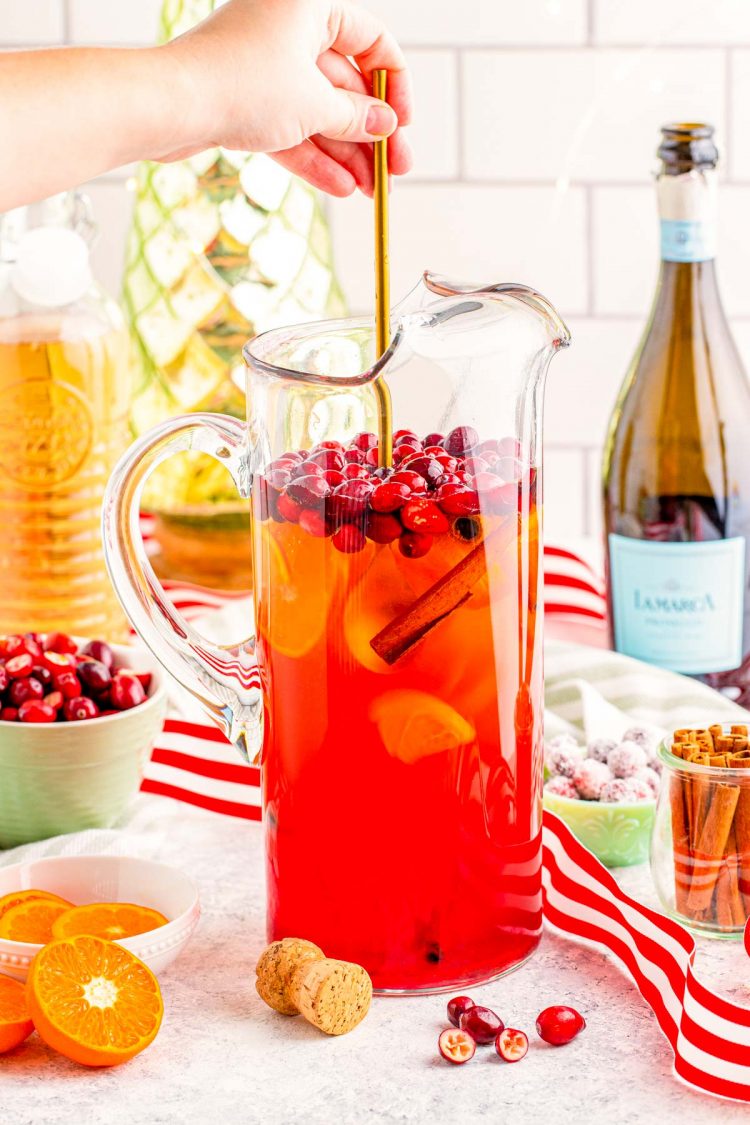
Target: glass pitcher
column 393, row 688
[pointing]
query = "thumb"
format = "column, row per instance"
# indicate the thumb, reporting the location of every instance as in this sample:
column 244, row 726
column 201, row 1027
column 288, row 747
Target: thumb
column 349, row 116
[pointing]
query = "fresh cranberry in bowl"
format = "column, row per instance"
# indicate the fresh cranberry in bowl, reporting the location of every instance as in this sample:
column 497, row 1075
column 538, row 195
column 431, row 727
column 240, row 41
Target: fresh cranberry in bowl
column 125, row 691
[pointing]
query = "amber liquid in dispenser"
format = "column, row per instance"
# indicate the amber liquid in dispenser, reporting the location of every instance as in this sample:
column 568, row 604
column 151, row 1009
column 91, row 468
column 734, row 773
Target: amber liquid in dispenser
column 64, row 400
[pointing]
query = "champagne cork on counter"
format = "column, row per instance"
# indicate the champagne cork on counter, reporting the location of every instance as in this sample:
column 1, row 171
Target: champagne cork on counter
column 295, row 977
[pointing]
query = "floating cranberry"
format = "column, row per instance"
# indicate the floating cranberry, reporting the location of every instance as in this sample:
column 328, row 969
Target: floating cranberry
column 348, row 539
column 81, row 708
column 364, row 441
column 21, row 690
column 434, row 439
column 68, row 683
column 327, row 459
column 55, row 700
column 354, row 457
column 475, row 465
column 36, row 711
column 329, row 444
column 481, row 1023
column 382, row 527
column 511, row 1044
column 414, row 481
column 60, row 642
column 427, row 467
column 402, row 452
column 94, row 676
column 450, row 464
column 507, row 468
column 350, row 500
column 126, row 692
column 277, row 479
column 414, row 546
column 467, row 528
column 456, row 1046
column 509, row 447
column 457, row 1006
column 288, row 508
column 334, row 477
column 100, row 650
column 423, row 516
column 293, row 455
column 390, row 496
column 372, row 457
column 282, row 464
column 457, row 499
column 559, row 1024
column 356, row 472
column 305, row 469
column 405, row 435
column 314, row 523
column 9, row 714
column 308, row 491
column 19, row 666
column 461, row 440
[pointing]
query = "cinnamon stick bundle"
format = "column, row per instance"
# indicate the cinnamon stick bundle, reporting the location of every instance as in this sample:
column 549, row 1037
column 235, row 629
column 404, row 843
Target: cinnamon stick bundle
column 711, row 827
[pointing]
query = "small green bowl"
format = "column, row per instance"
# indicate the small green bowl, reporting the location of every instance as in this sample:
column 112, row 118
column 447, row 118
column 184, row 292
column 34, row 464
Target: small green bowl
column 618, row 834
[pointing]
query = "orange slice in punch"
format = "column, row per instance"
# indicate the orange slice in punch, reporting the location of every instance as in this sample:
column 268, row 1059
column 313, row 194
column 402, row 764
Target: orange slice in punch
column 32, row 920
column 93, row 1001
column 110, row 920
column 15, row 1022
column 16, row 897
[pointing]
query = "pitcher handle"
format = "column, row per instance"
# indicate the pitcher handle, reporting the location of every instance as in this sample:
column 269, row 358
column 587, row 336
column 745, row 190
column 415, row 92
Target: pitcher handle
column 224, row 678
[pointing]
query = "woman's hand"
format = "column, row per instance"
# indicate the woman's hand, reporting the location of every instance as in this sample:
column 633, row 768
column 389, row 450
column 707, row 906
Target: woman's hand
column 277, row 76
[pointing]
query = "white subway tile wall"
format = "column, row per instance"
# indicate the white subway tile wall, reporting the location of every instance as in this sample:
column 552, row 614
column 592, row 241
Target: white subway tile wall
column 534, row 137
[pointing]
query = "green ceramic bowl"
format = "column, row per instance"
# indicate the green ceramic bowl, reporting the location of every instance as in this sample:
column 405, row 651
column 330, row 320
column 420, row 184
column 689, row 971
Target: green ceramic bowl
column 64, row 777
column 618, row 834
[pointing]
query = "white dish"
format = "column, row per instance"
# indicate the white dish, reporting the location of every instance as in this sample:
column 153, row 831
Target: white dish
column 108, row 878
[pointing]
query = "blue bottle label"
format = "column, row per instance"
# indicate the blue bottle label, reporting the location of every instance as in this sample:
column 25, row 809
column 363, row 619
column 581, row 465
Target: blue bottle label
column 679, row 605
column 687, row 240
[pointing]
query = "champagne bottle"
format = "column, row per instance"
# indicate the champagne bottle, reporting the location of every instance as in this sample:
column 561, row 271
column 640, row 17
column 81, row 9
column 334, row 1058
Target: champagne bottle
column 676, row 460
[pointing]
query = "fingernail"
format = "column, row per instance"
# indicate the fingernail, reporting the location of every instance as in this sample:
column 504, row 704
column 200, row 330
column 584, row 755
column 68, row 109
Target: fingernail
column 381, row 121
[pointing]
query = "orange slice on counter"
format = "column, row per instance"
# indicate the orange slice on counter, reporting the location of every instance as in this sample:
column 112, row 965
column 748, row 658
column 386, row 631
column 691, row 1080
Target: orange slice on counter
column 110, row 920
column 15, row 898
column 93, row 1000
column 15, row 1022
column 32, row 920
column 415, row 725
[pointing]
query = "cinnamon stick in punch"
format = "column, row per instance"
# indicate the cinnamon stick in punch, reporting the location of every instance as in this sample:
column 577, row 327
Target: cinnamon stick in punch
column 440, row 600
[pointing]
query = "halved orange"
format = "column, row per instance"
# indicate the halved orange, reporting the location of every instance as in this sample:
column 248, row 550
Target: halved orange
column 17, row 897
column 414, row 725
column 32, row 920
column 15, row 1022
column 93, row 1000
column 110, row 920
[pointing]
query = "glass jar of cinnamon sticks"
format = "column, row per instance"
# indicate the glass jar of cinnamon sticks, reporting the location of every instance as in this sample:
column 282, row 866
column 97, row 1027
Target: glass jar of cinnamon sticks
column 700, row 851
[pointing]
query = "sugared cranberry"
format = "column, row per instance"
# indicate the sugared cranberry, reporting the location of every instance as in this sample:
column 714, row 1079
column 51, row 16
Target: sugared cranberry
column 125, row 692
column 9, row 714
column 511, row 1044
column 43, row 674
column 36, row 711
column 559, row 1024
column 461, row 440
column 382, row 527
column 456, row 1046
column 348, row 539
column 94, row 676
column 59, row 642
column 364, row 441
column 21, row 690
column 390, row 496
column 308, row 490
column 19, row 666
column 81, row 708
column 413, row 545
column 457, row 499
column 314, row 523
column 100, row 650
column 433, row 439
column 481, row 1023
column 457, row 1006
column 288, row 508
column 67, row 683
column 55, row 700
column 423, row 516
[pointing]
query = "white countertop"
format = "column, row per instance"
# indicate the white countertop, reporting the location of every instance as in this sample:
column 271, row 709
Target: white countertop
column 222, row 1056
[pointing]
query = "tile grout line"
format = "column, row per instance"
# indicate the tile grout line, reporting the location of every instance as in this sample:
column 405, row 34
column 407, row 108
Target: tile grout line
column 67, row 21
column 590, row 257
column 590, row 23
column 459, row 125
column 728, row 80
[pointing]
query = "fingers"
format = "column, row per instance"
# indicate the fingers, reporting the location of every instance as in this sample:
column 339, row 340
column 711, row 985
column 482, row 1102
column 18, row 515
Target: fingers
column 357, row 32
column 318, row 168
column 344, row 115
column 357, row 159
